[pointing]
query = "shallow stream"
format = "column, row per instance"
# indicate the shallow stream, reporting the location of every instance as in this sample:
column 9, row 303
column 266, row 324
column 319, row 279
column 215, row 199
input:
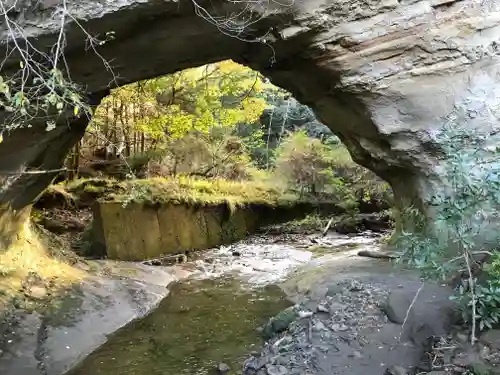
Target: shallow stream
column 213, row 316
column 201, row 323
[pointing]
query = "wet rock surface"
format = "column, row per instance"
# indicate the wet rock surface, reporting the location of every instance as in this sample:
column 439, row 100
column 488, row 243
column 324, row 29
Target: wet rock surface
column 50, row 341
column 265, row 259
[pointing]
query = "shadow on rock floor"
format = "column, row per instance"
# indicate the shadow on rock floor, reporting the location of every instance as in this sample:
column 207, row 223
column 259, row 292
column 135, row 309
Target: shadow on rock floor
column 349, row 320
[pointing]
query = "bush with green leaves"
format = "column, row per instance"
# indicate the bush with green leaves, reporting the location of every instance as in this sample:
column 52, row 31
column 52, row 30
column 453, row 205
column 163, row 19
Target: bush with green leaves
column 463, row 227
column 487, row 296
column 215, row 154
column 305, row 164
column 313, row 167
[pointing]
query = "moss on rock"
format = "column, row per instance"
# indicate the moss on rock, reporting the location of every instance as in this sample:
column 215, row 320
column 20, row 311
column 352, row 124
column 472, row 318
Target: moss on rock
column 137, row 231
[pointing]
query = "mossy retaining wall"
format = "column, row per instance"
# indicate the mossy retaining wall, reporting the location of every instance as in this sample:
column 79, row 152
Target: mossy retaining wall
column 138, row 231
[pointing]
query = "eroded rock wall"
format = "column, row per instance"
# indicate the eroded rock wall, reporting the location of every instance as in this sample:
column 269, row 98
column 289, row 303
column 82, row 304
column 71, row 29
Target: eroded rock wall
column 30, row 159
column 139, row 232
column 383, row 75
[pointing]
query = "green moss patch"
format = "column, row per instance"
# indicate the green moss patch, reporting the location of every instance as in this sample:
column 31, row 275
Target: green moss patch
column 189, row 190
column 181, row 190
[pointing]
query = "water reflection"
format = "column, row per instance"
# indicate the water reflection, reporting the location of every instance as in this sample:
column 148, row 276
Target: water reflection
column 201, row 323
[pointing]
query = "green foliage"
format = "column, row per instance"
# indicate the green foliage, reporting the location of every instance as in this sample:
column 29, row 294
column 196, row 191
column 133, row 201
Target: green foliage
column 487, row 294
column 461, row 223
column 312, row 223
column 365, row 185
column 326, row 171
column 169, row 107
column 207, row 122
column 305, row 164
column 254, row 144
column 86, row 191
column 487, row 307
column 44, row 95
column 493, row 266
column 199, row 191
column 418, row 248
column 215, row 154
column 311, row 167
column 180, row 189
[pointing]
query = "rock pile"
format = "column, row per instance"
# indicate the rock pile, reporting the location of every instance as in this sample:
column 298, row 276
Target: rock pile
column 356, row 328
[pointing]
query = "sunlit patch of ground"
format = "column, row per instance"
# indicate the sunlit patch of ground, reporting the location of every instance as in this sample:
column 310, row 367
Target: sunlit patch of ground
column 30, row 260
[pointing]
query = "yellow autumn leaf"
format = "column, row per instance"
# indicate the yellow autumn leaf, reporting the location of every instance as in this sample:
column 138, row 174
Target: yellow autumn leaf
column 194, row 99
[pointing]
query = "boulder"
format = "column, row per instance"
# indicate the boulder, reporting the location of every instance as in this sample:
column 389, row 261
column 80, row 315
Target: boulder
column 396, row 306
column 276, row 370
column 431, row 313
column 280, row 322
column 223, row 369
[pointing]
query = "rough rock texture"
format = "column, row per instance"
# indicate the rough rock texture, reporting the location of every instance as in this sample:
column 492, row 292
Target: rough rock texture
column 383, row 75
column 396, row 307
column 52, row 340
column 347, row 332
column 28, row 151
column 139, row 231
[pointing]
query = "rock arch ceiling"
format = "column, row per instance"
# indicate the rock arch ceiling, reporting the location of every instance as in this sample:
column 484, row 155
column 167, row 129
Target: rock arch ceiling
column 380, row 74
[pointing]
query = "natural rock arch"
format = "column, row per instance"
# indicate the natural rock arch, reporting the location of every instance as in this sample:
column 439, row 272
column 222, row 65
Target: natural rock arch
column 381, row 74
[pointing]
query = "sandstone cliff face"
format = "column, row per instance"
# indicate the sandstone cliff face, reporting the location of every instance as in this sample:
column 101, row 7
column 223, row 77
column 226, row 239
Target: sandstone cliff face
column 138, row 232
column 383, row 75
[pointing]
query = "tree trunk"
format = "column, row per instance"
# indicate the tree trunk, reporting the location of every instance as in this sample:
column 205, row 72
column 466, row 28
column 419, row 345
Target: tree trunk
column 76, row 160
column 73, row 162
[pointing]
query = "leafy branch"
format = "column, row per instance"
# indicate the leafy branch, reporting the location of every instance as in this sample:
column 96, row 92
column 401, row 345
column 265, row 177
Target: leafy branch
column 462, row 217
column 41, row 88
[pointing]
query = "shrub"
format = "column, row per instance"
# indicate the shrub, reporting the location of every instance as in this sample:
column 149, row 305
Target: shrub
column 216, row 154
column 366, row 186
column 305, row 164
column 312, row 167
column 463, row 216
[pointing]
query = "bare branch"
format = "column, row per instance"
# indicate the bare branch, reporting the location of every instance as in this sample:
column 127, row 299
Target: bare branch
column 28, row 172
column 42, row 88
column 472, row 292
column 409, row 309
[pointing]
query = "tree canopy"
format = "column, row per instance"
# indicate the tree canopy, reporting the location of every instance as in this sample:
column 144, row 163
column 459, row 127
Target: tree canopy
column 221, row 94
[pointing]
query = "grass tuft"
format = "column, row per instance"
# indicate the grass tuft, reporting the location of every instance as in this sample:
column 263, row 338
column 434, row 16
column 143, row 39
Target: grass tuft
column 180, row 190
